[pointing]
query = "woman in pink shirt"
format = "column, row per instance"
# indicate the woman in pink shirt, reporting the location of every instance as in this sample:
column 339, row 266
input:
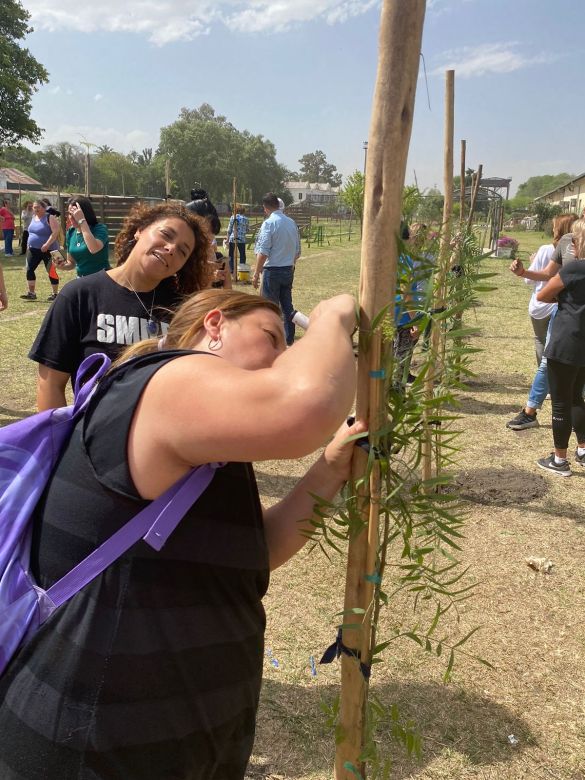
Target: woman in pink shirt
column 7, row 225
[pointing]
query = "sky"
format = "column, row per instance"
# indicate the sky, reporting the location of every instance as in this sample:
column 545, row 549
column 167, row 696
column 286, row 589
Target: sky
column 302, row 74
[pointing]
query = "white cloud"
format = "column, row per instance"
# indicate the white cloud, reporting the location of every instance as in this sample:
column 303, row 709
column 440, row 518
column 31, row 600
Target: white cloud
column 100, row 136
column 98, row 97
column 470, row 61
column 184, row 20
column 54, row 90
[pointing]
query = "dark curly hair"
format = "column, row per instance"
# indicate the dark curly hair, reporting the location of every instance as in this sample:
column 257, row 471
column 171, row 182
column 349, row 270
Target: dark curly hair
column 196, row 273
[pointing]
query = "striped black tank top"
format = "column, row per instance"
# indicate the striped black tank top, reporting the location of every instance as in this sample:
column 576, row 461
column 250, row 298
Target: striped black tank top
column 153, row 670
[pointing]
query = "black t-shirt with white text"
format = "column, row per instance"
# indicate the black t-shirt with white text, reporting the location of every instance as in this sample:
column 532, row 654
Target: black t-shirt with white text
column 96, row 314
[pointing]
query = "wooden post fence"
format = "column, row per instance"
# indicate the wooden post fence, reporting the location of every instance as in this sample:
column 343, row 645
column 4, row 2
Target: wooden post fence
column 391, row 124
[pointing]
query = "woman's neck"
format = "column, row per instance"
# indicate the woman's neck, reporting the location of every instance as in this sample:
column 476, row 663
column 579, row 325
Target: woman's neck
column 132, row 278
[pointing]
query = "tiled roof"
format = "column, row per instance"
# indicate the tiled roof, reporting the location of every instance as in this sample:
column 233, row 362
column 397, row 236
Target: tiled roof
column 17, row 177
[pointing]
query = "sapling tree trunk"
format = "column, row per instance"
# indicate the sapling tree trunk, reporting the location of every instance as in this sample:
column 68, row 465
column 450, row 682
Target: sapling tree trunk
column 462, row 187
column 437, row 332
column 391, row 124
column 474, row 191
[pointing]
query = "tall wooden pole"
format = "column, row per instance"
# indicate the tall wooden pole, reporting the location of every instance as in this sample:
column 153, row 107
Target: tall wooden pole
column 442, row 270
column 235, row 232
column 462, row 186
column 168, row 178
column 474, row 191
column 391, row 124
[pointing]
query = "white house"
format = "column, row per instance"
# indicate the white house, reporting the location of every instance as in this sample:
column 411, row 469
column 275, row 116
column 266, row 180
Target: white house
column 304, row 191
column 569, row 196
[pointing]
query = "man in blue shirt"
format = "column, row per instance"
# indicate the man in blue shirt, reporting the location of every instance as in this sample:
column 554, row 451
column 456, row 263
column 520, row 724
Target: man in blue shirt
column 277, row 248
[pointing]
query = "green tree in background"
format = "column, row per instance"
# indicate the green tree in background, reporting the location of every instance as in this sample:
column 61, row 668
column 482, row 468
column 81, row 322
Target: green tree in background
column 545, row 213
column 61, row 166
column 352, row 194
column 204, row 147
column 539, row 185
column 20, row 74
column 114, row 174
column 431, row 206
column 316, row 170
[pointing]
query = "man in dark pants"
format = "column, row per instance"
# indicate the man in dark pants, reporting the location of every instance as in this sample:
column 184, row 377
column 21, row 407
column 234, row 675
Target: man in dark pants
column 277, row 248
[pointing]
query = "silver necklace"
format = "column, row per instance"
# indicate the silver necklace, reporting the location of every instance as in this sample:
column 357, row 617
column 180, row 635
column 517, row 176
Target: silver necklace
column 152, row 324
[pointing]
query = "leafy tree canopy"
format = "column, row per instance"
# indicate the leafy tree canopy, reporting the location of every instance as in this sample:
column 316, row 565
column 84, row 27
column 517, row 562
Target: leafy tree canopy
column 316, row 169
column 352, row 193
column 538, row 185
column 205, row 148
column 20, row 75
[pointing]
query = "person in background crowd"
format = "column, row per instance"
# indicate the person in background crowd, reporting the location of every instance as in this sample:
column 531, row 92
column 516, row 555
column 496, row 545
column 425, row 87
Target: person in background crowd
column 236, row 234
column 86, row 240
column 7, row 225
column 26, row 216
column 202, row 205
column 153, row 670
column 162, row 255
column 278, row 247
column 563, row 252
column 43, row 232
column 565, row 354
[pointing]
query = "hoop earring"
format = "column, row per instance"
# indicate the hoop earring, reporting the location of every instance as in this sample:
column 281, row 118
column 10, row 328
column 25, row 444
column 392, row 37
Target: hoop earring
column 214, row 345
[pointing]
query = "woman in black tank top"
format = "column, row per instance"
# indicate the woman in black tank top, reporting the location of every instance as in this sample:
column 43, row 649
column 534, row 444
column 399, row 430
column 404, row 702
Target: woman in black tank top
column 153, row 669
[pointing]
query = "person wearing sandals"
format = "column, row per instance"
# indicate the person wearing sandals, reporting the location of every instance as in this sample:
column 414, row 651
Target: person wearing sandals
column 565, row 354
column 43, row 233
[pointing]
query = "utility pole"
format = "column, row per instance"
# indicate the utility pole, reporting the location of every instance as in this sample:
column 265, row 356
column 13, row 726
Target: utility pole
column 87, row 145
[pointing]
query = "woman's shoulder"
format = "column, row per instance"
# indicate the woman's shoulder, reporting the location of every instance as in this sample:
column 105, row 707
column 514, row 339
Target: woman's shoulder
column 90, row 284
column 99, row 229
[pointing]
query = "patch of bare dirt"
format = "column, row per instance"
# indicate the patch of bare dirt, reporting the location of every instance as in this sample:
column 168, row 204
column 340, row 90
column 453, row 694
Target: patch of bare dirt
column 504, row 487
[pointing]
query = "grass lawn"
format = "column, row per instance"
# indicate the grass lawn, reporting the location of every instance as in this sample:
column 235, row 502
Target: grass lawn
column 532, row 628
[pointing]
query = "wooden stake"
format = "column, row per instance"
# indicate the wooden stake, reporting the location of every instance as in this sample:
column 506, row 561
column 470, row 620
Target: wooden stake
column 462, row 187
column 391, row 124
column 441, row 275
column 235, row 234
column 474, row 191
column 168, row 178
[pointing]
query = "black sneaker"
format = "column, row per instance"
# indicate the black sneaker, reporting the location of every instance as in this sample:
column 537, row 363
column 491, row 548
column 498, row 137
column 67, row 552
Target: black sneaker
column 522, row 421
column 562, row 469
column 580, row 459
column 52, row 297
column 29, row 296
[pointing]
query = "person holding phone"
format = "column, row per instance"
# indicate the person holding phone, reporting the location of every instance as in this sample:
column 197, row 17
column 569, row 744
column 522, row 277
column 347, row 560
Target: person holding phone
column 86, row 241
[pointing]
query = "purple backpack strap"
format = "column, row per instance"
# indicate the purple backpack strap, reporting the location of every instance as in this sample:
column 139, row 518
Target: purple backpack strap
column 154, row 524
column 82, row 391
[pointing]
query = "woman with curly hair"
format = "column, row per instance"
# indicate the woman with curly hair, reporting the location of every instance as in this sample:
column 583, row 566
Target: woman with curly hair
column 162, row 256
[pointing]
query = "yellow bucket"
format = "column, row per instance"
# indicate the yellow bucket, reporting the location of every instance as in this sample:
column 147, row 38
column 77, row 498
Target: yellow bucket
column 243, row 273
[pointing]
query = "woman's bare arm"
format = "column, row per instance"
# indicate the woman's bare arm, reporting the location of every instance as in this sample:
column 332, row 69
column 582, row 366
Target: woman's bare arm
column 51, row 386
column 550, row 291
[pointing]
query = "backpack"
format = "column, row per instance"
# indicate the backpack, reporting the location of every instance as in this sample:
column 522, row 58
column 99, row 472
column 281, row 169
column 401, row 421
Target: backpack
column 29, row 451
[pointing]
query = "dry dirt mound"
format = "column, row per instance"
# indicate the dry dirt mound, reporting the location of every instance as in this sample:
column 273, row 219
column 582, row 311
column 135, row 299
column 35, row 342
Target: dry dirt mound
column 504, row 487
